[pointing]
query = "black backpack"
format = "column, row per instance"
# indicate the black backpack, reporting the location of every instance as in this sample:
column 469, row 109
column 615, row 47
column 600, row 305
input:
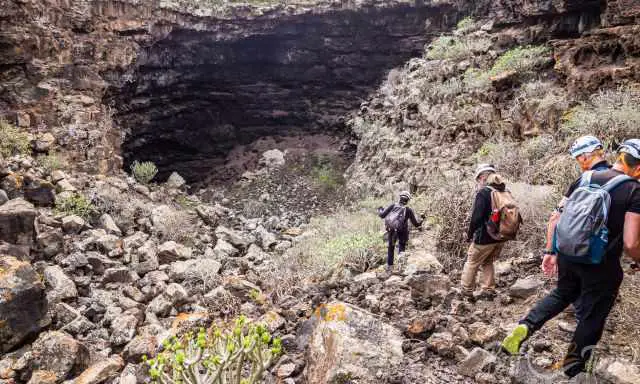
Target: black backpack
column 396, row 218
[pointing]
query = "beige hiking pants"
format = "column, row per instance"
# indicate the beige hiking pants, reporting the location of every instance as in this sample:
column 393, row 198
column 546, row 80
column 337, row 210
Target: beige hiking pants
column 480, row 257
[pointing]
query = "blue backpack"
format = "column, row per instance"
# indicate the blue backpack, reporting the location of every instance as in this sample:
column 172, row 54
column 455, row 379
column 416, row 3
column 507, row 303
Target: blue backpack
column 581, row 235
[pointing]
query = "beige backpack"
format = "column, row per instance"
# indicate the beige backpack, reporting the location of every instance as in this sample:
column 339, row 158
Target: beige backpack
column 505, row 218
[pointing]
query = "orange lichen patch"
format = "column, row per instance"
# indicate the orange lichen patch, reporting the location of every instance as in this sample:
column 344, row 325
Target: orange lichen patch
column 44, row 377
column 187, row 320
column 331, row 312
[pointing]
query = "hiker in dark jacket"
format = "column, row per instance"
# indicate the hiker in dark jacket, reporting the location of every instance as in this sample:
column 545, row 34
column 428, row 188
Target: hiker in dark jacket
column 596, row 285
column 401, row 234
column 484, row 249
column 588, row 152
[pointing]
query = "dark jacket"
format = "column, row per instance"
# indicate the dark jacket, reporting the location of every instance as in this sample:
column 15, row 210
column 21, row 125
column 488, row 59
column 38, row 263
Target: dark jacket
column 480, row 214
column 409, row 215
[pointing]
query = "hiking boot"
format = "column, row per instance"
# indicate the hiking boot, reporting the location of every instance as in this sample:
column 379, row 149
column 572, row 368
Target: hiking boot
column 487, row 294
column 511, row 344
column 467, row 295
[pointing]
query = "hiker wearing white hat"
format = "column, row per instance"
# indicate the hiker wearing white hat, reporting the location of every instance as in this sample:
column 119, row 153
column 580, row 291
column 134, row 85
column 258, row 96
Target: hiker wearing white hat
column 586, row 257
column 588, row 152
column 482, row 172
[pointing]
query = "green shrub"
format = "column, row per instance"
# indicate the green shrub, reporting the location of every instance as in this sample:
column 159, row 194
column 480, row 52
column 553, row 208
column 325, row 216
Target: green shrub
column 519, row 59
column 13, row 140
column 475, row 79
column 144, row 171
column 238, row 356
column 611, row 115
column 50, row 162
column 456, row 48
column 76, row 204
column 466, row 25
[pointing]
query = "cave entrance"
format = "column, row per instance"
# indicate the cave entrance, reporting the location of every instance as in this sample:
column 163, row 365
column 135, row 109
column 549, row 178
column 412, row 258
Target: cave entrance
column 196, row 96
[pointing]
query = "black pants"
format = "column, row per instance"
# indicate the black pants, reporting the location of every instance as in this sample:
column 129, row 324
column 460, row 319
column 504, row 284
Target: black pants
column 597, row 288
column 402, row 237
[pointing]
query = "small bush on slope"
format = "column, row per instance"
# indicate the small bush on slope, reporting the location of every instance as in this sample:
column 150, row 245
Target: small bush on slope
column 240, row 355
column 77, row 205
column 352, row 239
column 13, row 140
column 144, row 171
column 611, row 115
column 457, row 48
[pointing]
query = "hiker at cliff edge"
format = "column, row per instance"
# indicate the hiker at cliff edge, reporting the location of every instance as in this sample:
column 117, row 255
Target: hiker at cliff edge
column 396, row 220
column 601, row 218
column 495, row 218
column 588, row 151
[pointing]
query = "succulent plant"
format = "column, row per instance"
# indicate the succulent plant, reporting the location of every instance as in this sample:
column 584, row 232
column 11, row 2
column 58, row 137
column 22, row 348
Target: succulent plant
column 214, row 356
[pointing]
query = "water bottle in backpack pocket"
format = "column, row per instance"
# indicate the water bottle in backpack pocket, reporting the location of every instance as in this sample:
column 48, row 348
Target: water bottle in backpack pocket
column 581, row 235
column 505, row 219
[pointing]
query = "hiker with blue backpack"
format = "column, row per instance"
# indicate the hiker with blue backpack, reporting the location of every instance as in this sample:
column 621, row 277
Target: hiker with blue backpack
column 396, row 220
column 599, row 220
column 588, row 152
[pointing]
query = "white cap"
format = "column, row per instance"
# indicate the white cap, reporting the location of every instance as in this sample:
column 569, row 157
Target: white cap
column 481, row 168
column 632, row 147
column 585, row 144
column 405, row 194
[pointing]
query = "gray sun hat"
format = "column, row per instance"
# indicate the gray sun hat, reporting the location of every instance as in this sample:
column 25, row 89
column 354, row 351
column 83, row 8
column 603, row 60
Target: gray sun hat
column 405, row 195
column 481, row 168
column 632, row 147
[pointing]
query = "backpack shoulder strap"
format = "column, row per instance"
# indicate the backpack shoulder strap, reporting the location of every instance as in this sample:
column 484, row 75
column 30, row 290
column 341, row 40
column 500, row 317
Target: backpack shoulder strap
column 585, row 179
column 612, row 184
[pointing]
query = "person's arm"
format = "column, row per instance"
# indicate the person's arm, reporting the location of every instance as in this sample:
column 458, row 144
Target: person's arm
column 386, row 211
column 631, row 235
column 412, row 217
column 553, row 221
column 478, row 215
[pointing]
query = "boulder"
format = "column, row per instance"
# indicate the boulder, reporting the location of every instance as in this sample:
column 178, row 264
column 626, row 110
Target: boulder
column 181, row 270
column 348, row 342
column 176, row 293
column 73, row 224
column 171, row 251
column 60, row 285
column 3, row 197
column 619, row 371
column 60, row 354
column 237, row 239
column 140, row 346
column 524, row 288
column 267, row 239
column 71, row 320
column 175, row 181
column 50, row 242
column 123, row 329
column 428, row 285
column 272, row 320
column 442, row 343
column 118, row 275
column 44, row 142
column 41, row 193
column 100, row 371
column 23, row 304
column 272, row 158
column 17, row 222
column 225, row 249
column 420, row 261
column 109, row 225
column 475, row 362
column 481, row 333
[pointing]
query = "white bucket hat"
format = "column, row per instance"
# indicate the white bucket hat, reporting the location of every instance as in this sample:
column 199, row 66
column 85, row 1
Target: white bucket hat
column 481, row 168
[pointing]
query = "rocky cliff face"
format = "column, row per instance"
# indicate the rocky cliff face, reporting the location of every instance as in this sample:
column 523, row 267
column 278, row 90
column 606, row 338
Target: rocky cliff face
column 181, row 84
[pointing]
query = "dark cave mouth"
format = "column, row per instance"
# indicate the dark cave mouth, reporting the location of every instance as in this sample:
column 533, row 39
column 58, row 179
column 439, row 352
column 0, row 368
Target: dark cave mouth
column 194, row 99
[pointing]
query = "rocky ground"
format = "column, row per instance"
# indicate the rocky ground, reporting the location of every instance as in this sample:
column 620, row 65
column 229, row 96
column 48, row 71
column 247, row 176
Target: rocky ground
column 97, row 269
column 86, row 297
